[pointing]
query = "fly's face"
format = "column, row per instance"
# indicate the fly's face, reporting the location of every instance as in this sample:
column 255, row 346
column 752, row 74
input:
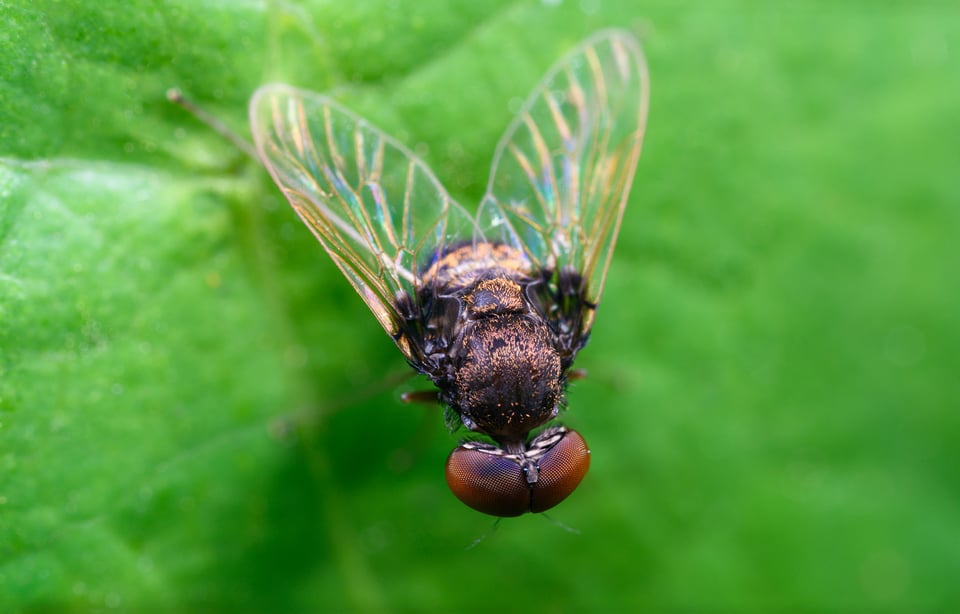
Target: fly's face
column 493, row 307
column 533, row 478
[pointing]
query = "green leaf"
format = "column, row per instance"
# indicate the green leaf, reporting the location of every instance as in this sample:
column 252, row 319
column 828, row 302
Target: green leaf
column 197, row 413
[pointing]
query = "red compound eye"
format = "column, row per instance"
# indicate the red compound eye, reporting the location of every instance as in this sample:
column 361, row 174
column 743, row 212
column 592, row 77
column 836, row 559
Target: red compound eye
column 561, row 470
column 494, row 482
column 488, row 483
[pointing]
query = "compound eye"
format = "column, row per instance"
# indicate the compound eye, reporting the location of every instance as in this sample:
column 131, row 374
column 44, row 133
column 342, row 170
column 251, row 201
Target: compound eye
column 483, row 477
column 487, row 482
column 562, row 468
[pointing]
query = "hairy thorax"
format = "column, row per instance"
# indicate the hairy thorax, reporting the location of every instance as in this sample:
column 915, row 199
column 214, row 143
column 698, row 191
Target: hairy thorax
column 502, row 370
column 507, row 369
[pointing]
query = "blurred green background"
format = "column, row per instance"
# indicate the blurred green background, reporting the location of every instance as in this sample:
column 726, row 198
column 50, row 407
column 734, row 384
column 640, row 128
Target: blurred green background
column 196, row 413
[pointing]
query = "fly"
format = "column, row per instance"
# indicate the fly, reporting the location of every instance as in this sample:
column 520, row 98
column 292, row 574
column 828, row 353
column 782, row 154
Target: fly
column 492, row 307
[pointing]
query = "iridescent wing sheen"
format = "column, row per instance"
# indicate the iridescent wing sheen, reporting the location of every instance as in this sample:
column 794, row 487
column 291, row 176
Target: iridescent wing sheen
column 562, row 172
column 375, row 207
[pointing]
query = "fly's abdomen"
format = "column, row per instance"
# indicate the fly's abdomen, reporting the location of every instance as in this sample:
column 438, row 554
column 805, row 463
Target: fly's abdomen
column 463, row 266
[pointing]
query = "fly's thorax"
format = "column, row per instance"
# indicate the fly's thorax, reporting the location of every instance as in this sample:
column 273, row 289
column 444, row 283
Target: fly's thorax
column 504, row 375
column 507, row 377
column 497, row 296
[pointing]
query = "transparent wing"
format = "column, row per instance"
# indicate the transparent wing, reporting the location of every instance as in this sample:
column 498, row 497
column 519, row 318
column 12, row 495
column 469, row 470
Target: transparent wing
column 562, row 171
column 375, row 207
